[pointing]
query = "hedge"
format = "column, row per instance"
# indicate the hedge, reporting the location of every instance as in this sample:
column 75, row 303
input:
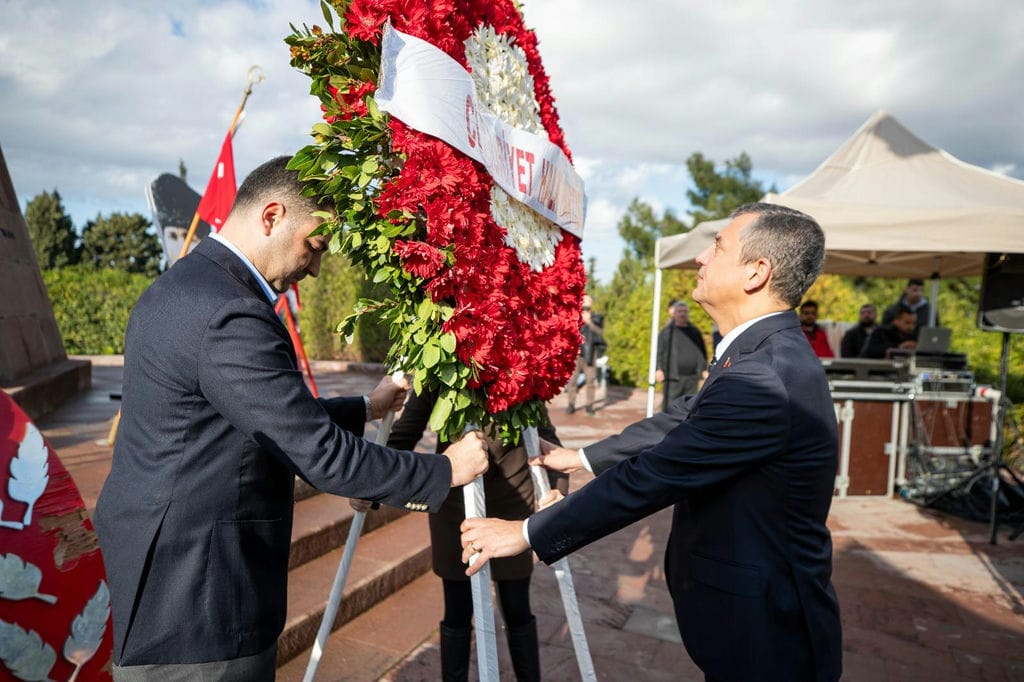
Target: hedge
column 92, row 306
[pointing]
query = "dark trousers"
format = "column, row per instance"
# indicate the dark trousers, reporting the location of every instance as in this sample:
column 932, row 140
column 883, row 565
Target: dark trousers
column 259, row 667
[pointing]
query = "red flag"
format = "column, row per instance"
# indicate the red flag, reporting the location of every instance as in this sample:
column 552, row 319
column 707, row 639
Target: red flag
column 220, row 190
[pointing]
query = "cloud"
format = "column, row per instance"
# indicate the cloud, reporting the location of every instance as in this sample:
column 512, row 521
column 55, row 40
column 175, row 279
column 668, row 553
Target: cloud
column 97, row 98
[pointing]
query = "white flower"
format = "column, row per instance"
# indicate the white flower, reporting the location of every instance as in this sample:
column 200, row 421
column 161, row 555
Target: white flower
column 505, row 87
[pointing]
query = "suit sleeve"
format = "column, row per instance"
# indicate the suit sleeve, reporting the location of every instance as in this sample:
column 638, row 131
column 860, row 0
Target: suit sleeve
column 247, row 374
column 661, row 356
column 741, row 421
column 348, row 413
column 637, row 437
column 698, row 340
column 876, row 345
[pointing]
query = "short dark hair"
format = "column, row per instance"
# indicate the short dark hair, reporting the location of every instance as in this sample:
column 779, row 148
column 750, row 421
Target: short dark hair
column 790, row 240
column 808, row 304
column 272, row 180
column 915, row 280
column 868, row 305
column 904, row 310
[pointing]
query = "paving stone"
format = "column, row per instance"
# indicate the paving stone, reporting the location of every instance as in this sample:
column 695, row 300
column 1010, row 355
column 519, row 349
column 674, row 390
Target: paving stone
column 923, row 595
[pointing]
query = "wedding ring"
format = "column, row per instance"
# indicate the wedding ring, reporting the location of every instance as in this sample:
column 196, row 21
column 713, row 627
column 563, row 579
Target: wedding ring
column 473, row 547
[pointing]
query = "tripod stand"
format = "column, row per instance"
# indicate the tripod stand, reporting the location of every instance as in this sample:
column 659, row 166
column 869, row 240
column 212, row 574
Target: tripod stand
column 997, row 466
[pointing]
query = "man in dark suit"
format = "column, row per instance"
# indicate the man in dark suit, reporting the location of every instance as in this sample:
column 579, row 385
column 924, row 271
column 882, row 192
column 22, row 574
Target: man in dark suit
column 195, row 519
column 749, row 463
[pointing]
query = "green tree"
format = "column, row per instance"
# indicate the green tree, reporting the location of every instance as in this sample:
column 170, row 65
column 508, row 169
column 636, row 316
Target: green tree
column 715, row 193
column 122, row 241
column 329, row 298
column 626, row 302
column 53, row 235
column 91, row 306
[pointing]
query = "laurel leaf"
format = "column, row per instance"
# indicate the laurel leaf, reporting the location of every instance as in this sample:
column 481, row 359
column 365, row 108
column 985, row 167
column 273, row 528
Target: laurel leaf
column 29, row 471
column 88, row 628
column 25, row 654
column 20, row 579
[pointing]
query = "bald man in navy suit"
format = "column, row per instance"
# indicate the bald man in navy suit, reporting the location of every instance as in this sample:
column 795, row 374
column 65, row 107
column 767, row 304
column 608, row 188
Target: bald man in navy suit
column 749, row 464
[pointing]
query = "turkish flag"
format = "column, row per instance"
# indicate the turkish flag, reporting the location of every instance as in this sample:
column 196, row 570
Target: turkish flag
column 220, row 190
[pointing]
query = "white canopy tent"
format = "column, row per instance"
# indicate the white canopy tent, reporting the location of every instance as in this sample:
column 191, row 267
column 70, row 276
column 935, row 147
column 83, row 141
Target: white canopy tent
column 891, row 205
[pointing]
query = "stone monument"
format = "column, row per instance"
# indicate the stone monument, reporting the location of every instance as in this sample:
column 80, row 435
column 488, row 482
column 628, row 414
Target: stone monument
column 34, row 367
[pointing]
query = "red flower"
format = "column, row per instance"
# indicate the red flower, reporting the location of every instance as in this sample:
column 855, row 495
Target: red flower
column 518, row 330
column 419, row 258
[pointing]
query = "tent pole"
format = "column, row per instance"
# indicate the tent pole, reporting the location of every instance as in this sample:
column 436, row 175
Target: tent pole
column 655, row 309
column 933, row 301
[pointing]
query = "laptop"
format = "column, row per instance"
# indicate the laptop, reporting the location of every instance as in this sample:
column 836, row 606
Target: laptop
column 933, row 340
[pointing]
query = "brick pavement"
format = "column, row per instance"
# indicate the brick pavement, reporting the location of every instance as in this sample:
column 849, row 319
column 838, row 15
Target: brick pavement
column 923, row 595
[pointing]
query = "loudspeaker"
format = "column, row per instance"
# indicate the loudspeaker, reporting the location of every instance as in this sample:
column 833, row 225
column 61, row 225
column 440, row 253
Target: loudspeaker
column 1002, row 293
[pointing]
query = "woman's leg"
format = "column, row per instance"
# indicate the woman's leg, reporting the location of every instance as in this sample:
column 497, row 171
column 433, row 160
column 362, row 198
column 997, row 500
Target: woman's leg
column 521, row 628
column 456, row 630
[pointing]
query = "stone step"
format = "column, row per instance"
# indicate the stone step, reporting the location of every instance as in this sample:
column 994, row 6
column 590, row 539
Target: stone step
column 387, row 558
column 400, row 631
column 321, row 524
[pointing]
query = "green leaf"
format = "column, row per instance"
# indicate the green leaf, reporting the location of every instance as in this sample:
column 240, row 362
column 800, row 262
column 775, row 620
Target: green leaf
column 335, row 244
column 448, row 342
column 448, row 374
column 463, row 399
column 373, row 109
column 327, row 14
column 439, row 415
column 425, row 309
column 370, row 166
column 431, row 355
column 323, row 129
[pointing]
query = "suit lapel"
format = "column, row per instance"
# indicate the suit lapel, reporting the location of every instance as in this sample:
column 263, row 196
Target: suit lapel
column 223, row 257
column 748, row 341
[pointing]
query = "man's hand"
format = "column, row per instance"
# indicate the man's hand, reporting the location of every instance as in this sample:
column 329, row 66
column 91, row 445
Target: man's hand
column 388, row 396
column 659, row 375
column 557, row 458
column 553, row 496
column 490, row 538
column 468, row 457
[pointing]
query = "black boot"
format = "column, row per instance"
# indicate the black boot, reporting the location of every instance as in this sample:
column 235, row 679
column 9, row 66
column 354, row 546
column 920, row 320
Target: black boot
column 522, row 646
column 455, row 653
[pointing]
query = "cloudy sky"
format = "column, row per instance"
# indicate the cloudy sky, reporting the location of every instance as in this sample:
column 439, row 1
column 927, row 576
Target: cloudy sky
column 97, row 97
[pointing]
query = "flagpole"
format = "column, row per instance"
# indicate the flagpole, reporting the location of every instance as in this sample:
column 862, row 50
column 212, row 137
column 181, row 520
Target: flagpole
column 255, row 76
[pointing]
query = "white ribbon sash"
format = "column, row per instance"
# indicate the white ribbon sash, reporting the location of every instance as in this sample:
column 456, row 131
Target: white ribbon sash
column 429, row 91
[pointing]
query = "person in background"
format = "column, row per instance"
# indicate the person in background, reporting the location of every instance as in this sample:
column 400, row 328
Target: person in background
column 509, row 494
column 900, row 334
column 815, row 335
column 682, row 355
column 592, row 347
column 855, row 340
column 914, row 300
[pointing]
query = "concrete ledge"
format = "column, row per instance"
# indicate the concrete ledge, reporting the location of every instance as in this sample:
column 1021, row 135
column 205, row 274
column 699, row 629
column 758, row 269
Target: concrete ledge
column 46, row 389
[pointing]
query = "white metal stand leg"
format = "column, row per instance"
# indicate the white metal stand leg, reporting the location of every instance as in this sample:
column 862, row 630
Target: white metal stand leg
column 562, row 573
column 334, row 600
column 483, row 603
